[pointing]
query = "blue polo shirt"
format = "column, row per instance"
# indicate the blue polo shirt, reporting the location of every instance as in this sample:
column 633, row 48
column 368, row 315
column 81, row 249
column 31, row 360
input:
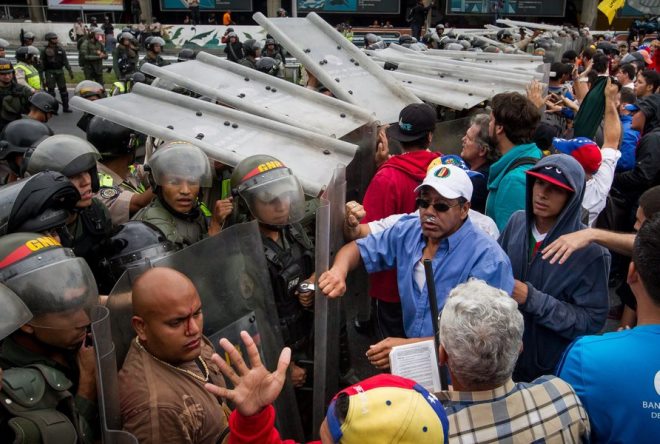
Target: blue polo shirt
column 617, row 378
column 468, row 253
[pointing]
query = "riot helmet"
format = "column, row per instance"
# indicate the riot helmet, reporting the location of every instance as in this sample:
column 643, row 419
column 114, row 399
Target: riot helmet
column 4, row 44
column 405, row 39
column 111, row 139
column 505, row 36
column 39, row 203
column 186, row 54
column 29, row 35
column 268, row 65
column 50, row 36
column 126, row 36
column 270, row 41
column 251, row 47
column 179, row 161
column 152, row 42
column 26, row 53
column 232, row 34
column 271, row 192
column 50, row 280
column 138, row 77
column 44, row 102
column 88, row 89
column 14, row 312
column 69, row 155
column 20, row 135
column 132, row 245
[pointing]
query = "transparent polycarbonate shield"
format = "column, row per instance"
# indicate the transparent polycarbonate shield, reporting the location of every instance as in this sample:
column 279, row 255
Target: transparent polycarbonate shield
column 14, row 312
column 230, row 274
column 447, row 135
column 327, row 312
column 263, row 95
column 339, row 65
column 107, row 384
column 224, row 134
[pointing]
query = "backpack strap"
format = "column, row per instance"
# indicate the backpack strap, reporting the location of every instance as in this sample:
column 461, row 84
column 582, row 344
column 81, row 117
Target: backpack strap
column 521, row 162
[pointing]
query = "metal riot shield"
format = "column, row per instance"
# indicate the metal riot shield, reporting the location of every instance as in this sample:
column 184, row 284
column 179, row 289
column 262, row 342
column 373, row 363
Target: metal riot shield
column 230, row 273
column 449, row 134
column 106, row 380
column 327, row 312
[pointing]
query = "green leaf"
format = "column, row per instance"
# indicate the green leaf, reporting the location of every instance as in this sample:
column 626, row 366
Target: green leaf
column 202, row 35
column 177, row 33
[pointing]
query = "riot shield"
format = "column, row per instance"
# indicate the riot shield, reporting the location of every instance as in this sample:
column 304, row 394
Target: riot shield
column 106, row 380
column 447, row 135
column 327, row 312
column 230, row 273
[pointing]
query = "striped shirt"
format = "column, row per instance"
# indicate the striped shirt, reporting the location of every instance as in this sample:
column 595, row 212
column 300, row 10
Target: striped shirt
column 545, row 410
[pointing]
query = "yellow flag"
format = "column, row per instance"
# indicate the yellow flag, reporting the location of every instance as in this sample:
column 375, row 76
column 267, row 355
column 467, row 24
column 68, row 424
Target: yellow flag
column 609, row 8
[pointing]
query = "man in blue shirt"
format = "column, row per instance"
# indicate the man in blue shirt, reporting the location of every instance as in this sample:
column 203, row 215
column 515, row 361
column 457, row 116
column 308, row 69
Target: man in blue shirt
column 617, row 375
column 443, row 233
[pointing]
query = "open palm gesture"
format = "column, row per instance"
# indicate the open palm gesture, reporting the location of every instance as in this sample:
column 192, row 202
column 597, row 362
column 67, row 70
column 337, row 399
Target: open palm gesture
column 255, row 387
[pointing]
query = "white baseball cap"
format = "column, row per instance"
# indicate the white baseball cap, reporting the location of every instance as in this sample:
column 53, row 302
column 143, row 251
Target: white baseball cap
column 450, row 181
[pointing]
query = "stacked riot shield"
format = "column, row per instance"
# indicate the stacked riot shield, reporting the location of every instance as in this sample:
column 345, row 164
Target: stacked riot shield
column 327, row 312
column 231, row 276
column 106, row 380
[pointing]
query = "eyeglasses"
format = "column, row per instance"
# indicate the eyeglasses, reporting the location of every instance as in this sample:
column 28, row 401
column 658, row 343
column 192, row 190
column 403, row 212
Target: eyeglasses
column 439, row 207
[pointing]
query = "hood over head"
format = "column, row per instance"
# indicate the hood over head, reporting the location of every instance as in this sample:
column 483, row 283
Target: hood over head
column 570, row 218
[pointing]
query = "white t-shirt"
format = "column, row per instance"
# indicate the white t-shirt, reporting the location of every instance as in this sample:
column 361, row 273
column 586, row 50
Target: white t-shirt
column 485, row 223
column 598, row 187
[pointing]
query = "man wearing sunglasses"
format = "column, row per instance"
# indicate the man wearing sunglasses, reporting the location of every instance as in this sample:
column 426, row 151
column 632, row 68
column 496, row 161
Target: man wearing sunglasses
column 49, row 389
column 442, row 232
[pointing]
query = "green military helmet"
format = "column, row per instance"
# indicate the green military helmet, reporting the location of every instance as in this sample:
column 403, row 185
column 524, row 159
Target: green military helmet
column 180, row 160
column 66, row 154
column 128, row 36
column 151, row 43
column 50, row 35
column 89, row 88
column 111, row 139
column 46, row 276
column 14, row 312
column 272, row 193
column 29, row 35
column 44, row 102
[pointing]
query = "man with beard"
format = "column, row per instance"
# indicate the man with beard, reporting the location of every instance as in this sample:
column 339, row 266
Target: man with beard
column 49, row 380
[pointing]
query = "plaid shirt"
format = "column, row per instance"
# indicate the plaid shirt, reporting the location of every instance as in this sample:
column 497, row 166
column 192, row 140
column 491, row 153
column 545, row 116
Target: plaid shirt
column 546, row 410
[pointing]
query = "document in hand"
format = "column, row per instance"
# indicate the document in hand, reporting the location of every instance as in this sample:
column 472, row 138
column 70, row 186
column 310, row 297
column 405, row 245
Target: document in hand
column 418, row 362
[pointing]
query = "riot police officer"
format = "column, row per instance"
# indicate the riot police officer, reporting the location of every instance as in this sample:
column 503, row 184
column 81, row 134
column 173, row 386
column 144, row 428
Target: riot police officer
column 121, row 187
column 49, row 388
column 39, row 204
column 234, row 48
column 273, row 196
column 372, row 41
column 89, row 224
column 268, row 66
column 26, row 67
column 91, row 55
column 132, row 245
column 154, row 46
column 272, row 50
column 43, row 107
column 177, row 172
column 252, row 50
column 125, row 56
column 18, row 137
column 54, row 60
column 88, row 90
column 14, row 98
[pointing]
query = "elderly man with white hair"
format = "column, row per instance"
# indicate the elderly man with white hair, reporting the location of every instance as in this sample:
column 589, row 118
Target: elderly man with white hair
column 481, row 333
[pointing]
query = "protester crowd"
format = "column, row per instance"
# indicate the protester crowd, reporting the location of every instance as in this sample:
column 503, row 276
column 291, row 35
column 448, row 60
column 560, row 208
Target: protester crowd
column 548, row 215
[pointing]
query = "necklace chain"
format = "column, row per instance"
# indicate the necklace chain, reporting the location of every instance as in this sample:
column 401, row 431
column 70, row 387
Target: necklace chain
column 204, row 378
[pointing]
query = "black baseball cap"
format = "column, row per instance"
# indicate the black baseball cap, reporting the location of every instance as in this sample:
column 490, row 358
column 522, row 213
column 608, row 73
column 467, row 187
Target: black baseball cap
column 415, row 121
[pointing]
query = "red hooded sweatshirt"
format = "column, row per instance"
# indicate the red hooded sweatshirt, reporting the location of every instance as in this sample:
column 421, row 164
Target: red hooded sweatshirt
column 392, row 191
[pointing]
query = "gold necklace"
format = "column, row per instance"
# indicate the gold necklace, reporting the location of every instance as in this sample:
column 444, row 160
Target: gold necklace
column 188, row 372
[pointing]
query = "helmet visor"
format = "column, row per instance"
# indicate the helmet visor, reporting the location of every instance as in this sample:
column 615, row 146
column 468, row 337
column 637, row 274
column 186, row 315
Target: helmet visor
column 63, row 284
column 14, row 312
column 181, row 162
column 278, row 202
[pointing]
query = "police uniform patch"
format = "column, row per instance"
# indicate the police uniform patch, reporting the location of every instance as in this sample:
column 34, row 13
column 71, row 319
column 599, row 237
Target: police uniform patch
column 109, row 193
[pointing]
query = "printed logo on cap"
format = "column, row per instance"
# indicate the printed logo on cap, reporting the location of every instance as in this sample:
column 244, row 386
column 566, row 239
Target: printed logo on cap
column 443, row 173
column 405, row 126
column 28, row 248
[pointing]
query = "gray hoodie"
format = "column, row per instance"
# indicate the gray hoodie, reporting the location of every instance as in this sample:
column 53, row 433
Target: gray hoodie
column 563, row 301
